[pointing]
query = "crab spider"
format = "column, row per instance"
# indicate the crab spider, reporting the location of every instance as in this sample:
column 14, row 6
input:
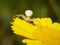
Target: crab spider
column 28, row 14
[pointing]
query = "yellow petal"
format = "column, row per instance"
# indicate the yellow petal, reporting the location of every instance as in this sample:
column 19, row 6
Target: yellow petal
column 33, row 42
column 43, row 21
column 21, row 27
column 56, row 26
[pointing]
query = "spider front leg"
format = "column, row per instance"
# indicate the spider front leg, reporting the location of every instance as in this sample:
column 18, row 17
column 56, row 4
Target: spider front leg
column 21, row 15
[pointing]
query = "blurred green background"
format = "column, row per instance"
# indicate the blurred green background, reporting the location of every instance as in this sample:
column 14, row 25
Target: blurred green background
column 9, row 8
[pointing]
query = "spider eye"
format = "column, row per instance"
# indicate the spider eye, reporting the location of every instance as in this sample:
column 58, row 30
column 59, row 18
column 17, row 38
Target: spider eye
column 28, row 13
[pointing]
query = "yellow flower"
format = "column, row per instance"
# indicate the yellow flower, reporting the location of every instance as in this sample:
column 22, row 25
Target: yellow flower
column 41, row 32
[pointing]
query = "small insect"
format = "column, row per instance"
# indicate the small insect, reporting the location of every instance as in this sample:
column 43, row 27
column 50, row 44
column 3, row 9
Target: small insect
column 28, row 14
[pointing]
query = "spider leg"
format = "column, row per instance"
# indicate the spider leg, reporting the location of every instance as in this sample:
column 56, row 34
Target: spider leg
column 21, row 15
column 24, row 17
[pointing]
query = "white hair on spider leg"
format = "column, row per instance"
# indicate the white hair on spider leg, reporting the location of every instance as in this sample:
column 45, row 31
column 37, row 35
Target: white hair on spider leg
column 28, row 13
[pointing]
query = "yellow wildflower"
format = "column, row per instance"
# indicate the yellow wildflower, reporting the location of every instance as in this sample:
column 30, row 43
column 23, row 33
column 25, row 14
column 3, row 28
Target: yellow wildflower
column 43, row 32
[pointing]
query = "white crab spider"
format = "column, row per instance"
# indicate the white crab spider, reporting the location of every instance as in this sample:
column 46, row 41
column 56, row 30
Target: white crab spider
column 28, row 14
